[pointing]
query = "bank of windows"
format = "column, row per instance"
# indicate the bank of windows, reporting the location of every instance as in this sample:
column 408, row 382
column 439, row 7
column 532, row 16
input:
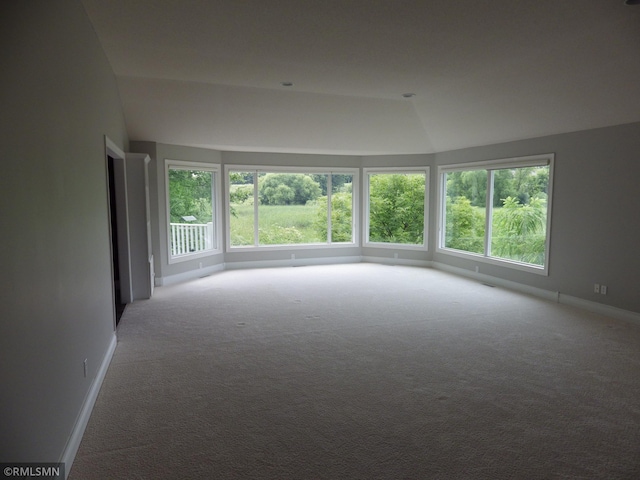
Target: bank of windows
column 396, row 207
column 277, row 207
column 498, row 211
column 193, row 216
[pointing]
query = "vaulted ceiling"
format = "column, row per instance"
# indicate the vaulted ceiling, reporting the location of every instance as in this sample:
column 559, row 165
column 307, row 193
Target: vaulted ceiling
column 209, row 73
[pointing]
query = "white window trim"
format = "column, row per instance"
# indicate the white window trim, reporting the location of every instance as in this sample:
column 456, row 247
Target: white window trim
column 217, row 207
column 280, row 169
column 365, row 201
column 516, row 162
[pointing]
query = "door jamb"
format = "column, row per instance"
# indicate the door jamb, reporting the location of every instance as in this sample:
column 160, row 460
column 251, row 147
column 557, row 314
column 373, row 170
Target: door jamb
column 122, row 217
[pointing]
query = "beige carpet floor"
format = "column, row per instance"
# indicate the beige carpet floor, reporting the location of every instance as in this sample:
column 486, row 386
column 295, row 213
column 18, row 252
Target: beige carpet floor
column 363, row 372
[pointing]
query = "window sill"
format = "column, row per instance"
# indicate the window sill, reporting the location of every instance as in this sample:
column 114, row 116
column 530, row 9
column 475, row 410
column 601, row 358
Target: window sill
column 501, row 262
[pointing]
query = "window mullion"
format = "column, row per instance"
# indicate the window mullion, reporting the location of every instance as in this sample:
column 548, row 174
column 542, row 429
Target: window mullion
column 442, row 216
column 329, row 190
column 256, row 237
column 212, row 234
column 488, row 213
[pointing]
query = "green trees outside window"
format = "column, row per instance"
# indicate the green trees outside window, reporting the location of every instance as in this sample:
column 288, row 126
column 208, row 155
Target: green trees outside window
column 497, row 209
column 466, row 195
column 516, row 205
column 190, row 195
column 341, row 209
column 396, row 208
column 191, row 210
column 317, row 208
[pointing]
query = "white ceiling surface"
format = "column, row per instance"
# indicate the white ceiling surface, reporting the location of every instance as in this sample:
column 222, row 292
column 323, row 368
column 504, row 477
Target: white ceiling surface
column 208, row 73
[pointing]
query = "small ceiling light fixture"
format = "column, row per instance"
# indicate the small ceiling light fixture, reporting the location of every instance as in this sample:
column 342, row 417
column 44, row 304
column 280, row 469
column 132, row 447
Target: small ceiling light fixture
column 408, row 95
column 286, row 84
column 632, row 2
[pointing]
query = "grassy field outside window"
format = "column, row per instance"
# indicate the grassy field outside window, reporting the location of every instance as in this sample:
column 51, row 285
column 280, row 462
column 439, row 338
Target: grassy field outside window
column 289, row 208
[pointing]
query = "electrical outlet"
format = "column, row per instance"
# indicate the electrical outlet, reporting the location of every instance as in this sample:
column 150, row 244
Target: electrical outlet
column 603, row 289
column 596, row 288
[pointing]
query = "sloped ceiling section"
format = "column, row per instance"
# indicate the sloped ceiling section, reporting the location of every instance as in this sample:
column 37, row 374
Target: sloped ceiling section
column 209, row 73
column 257, row 119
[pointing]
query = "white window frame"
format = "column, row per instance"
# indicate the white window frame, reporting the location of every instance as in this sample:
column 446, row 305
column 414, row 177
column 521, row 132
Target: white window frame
column 490, row 166
column 256, row 170
column 365, row 199
column 215, row 169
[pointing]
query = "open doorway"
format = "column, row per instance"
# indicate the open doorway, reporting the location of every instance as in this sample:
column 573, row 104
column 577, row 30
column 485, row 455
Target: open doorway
column 119, row 229
column 119, row 304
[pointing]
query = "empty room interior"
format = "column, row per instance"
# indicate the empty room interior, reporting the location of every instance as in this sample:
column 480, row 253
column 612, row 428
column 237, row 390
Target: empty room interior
column 321, row 239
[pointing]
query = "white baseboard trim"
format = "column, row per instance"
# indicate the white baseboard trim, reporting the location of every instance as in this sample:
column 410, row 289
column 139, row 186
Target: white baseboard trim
column 294, row 262
column 564, row 299
column 595, row 307
column 257, row 264
column 549, row 295
column 71, row 449
column 498, row 282
column 190, row 275
column 398, row 261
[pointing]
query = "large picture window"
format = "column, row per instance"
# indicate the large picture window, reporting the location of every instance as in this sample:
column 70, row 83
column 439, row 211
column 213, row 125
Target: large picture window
column 278, row 207
column 396, row 207
column 499, row 211
column 191, row 209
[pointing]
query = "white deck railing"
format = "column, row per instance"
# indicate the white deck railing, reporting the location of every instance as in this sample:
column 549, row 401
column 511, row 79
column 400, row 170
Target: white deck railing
column 191, row 238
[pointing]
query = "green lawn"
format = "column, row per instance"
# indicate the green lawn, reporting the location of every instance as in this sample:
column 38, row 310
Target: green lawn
column 279, row 224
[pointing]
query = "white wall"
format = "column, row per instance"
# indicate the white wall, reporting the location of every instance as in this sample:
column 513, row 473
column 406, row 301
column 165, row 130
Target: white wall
column 138, row 238
column 59, row 98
